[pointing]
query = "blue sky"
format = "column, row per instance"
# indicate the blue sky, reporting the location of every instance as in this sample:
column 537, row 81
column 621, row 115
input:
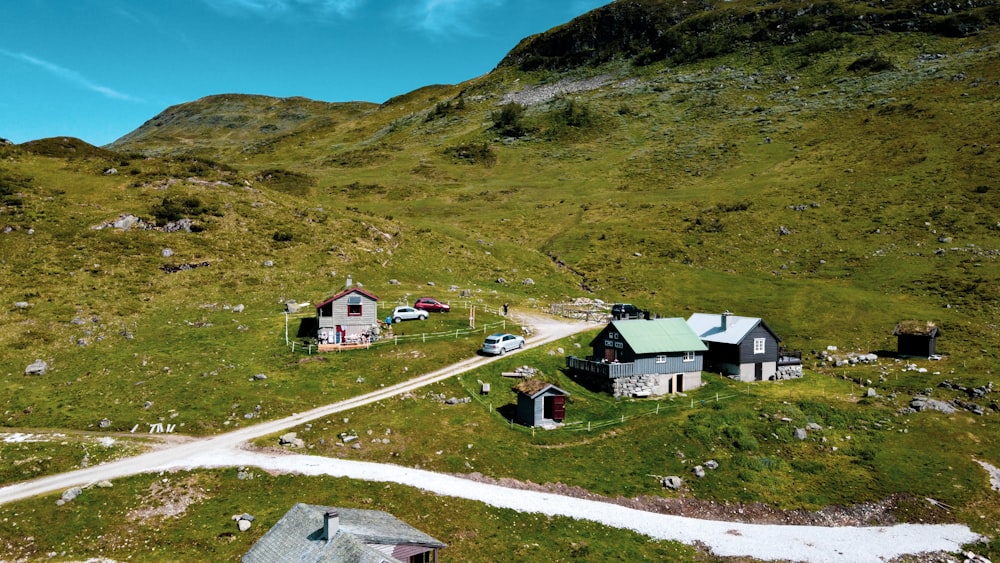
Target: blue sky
column 97, row 69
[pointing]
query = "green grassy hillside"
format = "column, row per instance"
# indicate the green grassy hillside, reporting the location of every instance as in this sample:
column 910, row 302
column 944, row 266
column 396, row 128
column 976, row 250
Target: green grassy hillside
column 832, row 169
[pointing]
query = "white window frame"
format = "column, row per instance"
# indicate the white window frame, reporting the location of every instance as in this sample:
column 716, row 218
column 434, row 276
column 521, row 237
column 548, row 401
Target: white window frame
column 661, row 359
column 689, row 356
column 759, row 345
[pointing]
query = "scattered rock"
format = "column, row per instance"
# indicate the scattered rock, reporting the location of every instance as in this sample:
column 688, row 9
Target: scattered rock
column 698, row 471
column 268, row 263
column 38, row 367
column 71, row 494
column 104, row 484
column 871, row 392
column 922, row 403
column 291, row 439
column 800, row 433
column 104, row 423
column 712, row 464
column 22, row 305
column 259, row 377
column 239, row 308
column 167, row 252
column 672, row 482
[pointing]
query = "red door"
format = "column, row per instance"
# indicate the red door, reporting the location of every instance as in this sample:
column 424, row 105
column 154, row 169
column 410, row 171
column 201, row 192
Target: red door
column 555, row 407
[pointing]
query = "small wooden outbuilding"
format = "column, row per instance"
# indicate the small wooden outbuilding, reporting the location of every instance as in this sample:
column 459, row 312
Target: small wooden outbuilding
column 540, row 403
column 916, row 338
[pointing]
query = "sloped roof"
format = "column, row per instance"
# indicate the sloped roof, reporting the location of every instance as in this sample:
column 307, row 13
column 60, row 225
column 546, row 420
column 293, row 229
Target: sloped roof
column 659, row 335
column 709, row 327
column 347, row 291
column 534, row 387
column 916, row 328
column 298, row 537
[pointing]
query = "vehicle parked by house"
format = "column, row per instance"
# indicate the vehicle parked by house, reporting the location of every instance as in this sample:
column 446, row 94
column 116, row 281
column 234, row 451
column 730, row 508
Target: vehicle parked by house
column 501, row 342
column 431, row 304
column 622, row 311
column 400, row 314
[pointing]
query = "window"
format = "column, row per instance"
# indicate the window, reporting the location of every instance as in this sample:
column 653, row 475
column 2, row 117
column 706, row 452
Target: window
column 354, row 306
column 758, row 345
column 688, row 356
column 661, row 359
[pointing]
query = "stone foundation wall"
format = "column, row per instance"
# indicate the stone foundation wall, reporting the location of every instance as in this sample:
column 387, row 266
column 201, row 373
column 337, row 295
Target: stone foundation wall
column 788, row 372
column 635, row 386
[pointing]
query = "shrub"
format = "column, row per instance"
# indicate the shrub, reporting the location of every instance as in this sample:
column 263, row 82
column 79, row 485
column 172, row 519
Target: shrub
column 473, row 153
column 873, row 62
column 283, row 236
column 508, row 120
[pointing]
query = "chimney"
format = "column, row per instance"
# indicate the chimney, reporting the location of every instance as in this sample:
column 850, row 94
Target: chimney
column 725, row 317
column 350, row 282
column 331, row 523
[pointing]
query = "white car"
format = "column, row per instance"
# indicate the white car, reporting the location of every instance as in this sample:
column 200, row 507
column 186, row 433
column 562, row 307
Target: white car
column 400, row 314
column 501, row 343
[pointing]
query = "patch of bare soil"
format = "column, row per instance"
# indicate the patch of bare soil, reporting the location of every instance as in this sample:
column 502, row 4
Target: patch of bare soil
column 867, row 514
column 167, row 499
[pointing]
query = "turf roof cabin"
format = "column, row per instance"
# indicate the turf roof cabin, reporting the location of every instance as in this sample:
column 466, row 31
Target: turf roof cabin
column 916, row 339
column 347, row 317
column 310, row 533
column 743, row 348
column 540, row 403
column 642, row 358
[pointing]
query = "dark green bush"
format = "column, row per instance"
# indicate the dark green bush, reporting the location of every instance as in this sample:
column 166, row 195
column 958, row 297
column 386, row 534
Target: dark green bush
column 872, row 62
column 508, row 120
column 473, row 153
column 283, row 236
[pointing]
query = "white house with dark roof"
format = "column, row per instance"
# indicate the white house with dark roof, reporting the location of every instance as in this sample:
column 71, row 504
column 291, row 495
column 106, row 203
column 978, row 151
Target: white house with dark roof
column 310, row 533
column 743, row 348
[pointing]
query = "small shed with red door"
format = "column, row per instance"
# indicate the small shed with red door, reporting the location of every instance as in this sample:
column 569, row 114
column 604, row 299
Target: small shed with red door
column 540, row 403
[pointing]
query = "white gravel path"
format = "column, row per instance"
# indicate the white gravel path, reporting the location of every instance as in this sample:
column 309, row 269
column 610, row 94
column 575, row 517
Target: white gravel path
column 817, row 544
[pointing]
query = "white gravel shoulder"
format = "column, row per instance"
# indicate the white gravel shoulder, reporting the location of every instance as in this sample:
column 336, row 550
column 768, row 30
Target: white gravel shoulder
column 817, row 544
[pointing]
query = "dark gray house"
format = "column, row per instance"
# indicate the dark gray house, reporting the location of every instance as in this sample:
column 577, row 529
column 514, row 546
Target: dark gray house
column 916, row 338
column 309, row 533
column 540, row 403
column 347, row 316
column 743, row 348
column 642, row 358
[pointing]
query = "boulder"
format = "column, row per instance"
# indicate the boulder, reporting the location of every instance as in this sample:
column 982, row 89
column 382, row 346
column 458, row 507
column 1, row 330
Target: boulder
column 22, row 305
column 167, row 252
column 800, row 433
column 921, row 403
column 712, row 464
column 71, row 494
column 698, row 471
column 291, row 439
column 672, row 482
column 38, row 367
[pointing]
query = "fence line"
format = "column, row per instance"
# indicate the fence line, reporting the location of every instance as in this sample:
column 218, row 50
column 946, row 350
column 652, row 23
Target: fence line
column 588, row 426
column 485, row 329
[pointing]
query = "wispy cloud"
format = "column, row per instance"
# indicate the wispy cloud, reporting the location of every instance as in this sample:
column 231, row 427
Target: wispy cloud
column 284, row 8
column 440, row 17
column 71, row 76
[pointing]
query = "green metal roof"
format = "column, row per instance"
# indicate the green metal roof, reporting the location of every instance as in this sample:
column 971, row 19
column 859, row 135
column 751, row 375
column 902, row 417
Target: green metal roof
column 659, row 335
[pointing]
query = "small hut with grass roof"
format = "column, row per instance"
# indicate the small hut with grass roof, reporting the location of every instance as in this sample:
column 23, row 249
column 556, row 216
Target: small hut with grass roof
column 916, row 338
column 540, row 403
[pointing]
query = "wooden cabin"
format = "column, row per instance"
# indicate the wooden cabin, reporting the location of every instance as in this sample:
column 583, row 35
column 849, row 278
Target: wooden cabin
column 348, row 317
column 742, row 348
column 643, row 358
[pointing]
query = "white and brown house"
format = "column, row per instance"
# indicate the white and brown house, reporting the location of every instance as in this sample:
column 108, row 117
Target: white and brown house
column 349, row 317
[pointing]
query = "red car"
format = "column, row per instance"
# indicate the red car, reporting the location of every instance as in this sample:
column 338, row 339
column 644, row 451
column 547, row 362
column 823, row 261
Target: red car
column 431, row 304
